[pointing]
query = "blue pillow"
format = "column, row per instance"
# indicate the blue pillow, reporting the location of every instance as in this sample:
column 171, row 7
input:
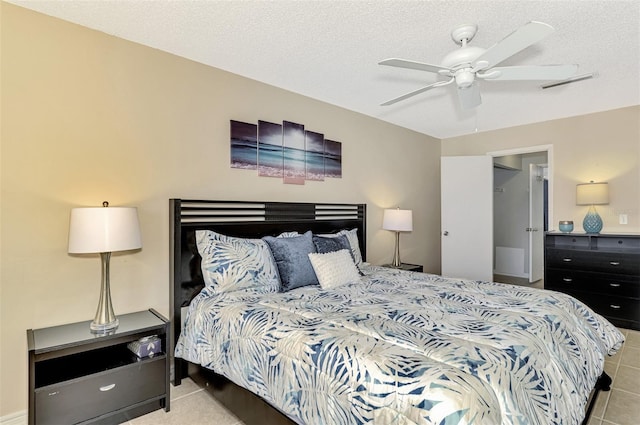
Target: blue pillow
column 292, row 260
column 326, row 244
column 352, row 237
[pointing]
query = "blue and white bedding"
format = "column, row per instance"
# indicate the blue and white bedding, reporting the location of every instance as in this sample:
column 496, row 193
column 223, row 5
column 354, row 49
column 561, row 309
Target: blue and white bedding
column 400, row 347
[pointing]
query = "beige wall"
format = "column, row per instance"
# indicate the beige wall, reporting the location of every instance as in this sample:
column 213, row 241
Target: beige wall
column 603, row 146
column 87, row 117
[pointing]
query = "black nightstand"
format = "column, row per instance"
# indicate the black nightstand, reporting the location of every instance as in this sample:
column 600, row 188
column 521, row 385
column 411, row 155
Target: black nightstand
column 77, row 376
column 406, row 266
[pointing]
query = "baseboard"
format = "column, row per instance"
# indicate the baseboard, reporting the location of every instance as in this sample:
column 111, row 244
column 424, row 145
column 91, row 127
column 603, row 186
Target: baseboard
column 518, row 275
column 18, row 418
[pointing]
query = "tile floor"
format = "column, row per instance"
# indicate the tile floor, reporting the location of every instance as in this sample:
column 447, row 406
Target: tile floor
column 194, row 405
column 621, row 405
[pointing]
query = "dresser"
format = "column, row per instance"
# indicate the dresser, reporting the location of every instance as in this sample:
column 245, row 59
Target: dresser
column 602, row 270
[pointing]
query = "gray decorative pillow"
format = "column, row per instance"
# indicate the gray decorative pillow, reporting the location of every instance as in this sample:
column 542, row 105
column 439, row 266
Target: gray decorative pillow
column 326, row 244
column 352, row 237
column 338, row 241
column 292, row 259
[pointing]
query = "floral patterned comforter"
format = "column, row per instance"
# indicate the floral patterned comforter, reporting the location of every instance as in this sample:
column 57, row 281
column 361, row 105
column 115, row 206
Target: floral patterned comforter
column 405, row 348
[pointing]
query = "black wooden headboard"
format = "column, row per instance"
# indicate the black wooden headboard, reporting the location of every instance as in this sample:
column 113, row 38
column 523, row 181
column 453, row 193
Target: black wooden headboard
column 241, row 219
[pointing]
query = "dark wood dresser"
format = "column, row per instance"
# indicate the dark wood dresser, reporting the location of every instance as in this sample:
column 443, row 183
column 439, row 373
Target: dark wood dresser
column 602, row 270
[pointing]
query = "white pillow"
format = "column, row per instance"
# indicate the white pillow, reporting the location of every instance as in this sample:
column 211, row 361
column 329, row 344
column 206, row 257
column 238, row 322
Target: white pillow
column 334, row 268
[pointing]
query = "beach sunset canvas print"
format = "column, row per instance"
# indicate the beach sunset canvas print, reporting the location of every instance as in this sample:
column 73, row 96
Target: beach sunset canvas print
column 314, row 155
column 270, row 153
column 294, row 152
column 244, row 145
column 284, row 150
column 332, row 159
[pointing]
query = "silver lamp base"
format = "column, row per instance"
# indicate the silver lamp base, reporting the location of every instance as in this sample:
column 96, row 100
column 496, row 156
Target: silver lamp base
column 396, row 255
column 105, row 320
column 99, row 328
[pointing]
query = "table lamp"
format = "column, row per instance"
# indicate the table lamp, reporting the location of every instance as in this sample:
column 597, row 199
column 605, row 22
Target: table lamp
column 104, row 230
column 592, row 194
column 397, row 220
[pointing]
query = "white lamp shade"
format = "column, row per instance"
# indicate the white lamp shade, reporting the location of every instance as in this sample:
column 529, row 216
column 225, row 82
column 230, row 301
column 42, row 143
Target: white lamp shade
column 104, row 229
column 592, row 194
column 398, row 220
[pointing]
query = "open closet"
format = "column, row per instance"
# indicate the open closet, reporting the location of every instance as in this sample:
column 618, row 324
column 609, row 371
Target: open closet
column 520, row 216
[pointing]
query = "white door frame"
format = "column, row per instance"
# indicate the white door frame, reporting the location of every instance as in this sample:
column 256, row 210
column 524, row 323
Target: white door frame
column 532, row 149
column 536, row 223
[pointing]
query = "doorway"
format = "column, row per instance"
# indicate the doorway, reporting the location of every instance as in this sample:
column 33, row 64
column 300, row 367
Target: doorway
column 522, row 210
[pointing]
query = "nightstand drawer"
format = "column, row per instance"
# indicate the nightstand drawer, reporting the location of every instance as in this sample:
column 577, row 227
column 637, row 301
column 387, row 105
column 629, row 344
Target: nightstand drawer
column 601, row 283
column 605, row 262
column 101, row 393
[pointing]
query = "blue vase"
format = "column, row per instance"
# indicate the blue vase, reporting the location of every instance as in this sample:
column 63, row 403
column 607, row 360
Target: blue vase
column 592, row 222
column 566, row 226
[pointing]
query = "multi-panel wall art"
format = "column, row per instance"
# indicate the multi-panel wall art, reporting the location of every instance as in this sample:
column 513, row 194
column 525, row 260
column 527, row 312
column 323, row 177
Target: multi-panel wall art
column 286, row 150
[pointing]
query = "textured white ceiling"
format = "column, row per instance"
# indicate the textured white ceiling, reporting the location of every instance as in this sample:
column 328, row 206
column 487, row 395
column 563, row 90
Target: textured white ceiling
column 329, row 50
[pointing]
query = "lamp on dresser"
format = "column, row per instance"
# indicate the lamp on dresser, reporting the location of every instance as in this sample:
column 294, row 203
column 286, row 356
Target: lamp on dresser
column 592, row 194
column 397, row 221
column 103, row 230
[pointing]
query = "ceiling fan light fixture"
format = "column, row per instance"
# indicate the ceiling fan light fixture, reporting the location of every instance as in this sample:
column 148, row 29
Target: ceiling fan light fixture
column 464, row 78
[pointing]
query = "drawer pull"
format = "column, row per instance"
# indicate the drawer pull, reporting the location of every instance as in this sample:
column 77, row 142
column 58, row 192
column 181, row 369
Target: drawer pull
column 615, row 306
column 107, row 387
column 567, row 260
column 614, row 285
column 614, row 263
column 567, row 279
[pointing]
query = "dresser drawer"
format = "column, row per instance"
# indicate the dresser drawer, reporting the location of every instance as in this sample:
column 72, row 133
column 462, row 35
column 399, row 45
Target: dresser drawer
column 601, row 283
column 604, row 262
column 610, row 306
column 81, row 399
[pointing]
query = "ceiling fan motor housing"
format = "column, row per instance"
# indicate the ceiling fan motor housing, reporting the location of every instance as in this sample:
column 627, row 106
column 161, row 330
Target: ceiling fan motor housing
column 462, row 57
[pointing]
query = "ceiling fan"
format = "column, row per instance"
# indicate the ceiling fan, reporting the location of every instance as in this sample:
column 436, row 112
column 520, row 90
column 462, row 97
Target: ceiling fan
column 466, row 65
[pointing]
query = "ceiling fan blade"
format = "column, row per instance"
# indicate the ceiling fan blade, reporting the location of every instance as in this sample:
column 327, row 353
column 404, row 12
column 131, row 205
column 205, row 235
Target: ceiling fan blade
column 420, row 66
column 518, row 40
column 573, row 79
column 470, row 97
column 415, row 92
column 540, row 72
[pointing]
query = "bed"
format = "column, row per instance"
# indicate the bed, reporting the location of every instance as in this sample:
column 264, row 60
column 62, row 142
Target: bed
column 385, row 347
